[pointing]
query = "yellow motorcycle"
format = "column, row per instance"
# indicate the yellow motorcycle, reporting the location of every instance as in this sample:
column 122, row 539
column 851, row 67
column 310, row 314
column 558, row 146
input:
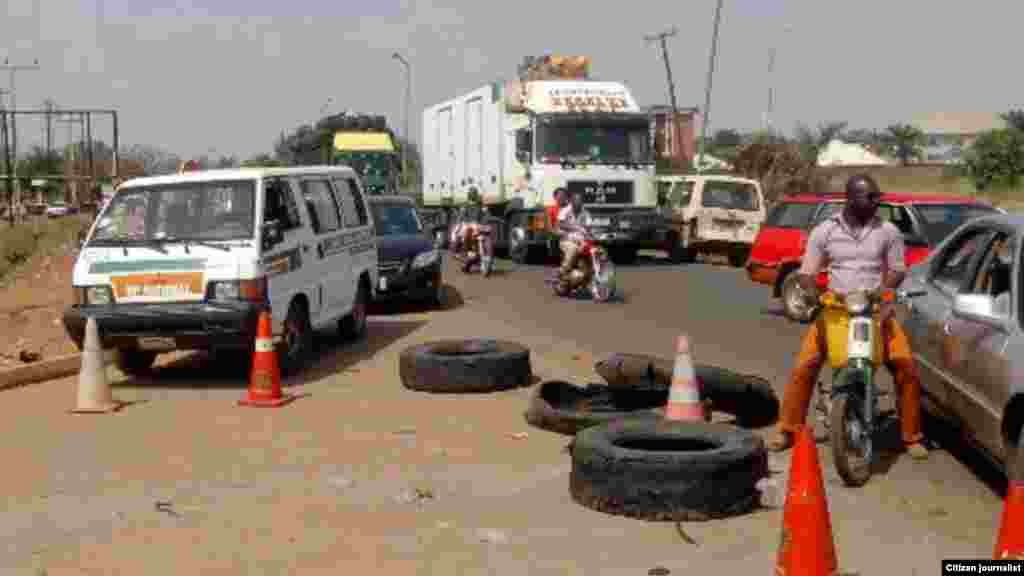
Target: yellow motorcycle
column 855, row 352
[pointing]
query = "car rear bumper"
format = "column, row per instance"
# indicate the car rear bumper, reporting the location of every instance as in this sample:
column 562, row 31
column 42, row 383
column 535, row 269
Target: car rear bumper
column 192, row 325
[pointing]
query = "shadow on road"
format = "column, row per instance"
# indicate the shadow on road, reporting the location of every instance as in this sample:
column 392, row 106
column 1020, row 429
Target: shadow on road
column 451, row 300
column 947, row 437
column 332, row 355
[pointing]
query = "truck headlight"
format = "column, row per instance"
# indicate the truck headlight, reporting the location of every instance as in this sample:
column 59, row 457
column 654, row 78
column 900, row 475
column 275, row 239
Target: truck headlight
column 424, row 259
column 252, row 290
column 94, row 295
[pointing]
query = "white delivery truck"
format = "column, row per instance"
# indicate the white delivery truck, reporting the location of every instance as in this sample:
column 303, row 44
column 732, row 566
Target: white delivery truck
column 517, row 142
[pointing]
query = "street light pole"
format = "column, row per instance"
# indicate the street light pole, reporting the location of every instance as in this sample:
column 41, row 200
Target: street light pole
column 13, row 69
column 707, row 95
column 405, row 114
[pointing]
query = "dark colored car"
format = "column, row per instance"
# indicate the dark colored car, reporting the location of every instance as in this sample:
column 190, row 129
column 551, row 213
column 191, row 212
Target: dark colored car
column 924, row 219
column 408, row 262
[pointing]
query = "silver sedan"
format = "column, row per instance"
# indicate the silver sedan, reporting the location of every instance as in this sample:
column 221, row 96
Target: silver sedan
column 966, row 332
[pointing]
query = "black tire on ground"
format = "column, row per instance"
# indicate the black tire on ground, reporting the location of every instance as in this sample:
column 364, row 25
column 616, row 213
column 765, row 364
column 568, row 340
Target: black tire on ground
column 450, row 366
column 135, row 362
column 560, row 407
column 748, row 397
column 653, row 469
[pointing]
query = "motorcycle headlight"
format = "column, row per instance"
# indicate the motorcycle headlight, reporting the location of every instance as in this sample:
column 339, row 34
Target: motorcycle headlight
column 425, row 259
column 857, row 303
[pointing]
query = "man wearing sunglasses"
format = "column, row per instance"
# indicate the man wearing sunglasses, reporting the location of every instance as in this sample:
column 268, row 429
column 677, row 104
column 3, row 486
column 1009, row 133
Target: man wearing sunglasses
column 862, row 252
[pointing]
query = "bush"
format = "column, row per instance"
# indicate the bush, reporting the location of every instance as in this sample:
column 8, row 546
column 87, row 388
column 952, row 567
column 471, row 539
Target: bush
column 20, row 242
column 996, row 160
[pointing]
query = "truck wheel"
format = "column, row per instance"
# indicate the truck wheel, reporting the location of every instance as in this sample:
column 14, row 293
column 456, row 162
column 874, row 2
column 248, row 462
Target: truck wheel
column 681, row 251
column 135, row 362
column 518, row 249
column 298, row 339
column 738, row 255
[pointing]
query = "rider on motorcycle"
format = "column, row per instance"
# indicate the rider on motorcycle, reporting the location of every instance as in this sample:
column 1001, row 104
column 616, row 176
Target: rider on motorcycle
column 472, row 213
column 863, row 252
column 573, row 221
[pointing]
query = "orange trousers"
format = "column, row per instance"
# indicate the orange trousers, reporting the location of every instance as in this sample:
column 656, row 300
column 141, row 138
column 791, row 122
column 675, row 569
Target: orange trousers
column 898, row 359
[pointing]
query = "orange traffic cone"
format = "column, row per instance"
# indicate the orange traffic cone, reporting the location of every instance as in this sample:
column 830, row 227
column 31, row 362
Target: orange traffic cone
column 806, row 547
column 265, row 378
column 1010, row 543
column 684, row 394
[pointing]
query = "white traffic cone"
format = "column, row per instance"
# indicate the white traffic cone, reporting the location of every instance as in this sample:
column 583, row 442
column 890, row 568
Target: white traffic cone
column 94, row 393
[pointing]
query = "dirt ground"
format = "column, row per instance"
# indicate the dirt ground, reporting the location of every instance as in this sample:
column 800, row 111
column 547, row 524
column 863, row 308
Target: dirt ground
column 32, row 300
column 360, row 475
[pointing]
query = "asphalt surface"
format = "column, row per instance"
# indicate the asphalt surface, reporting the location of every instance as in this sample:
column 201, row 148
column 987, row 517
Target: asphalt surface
column 362, row 475
column 731, row 321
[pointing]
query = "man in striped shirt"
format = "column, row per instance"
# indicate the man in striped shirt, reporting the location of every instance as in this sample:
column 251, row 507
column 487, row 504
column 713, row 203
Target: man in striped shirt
column 862, row 252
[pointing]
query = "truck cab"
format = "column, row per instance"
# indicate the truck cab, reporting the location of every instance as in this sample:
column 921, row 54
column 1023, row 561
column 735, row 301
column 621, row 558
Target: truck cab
column 517, row 142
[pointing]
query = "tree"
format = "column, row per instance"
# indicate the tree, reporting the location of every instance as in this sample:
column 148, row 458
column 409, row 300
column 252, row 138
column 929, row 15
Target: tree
column 996, row 160
column 726, row 138
column 154, row 160
column 906, row 142
column 811, row 141
column 1014, row 119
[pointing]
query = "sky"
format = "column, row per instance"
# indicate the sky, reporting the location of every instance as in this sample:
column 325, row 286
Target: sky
column 227, row 76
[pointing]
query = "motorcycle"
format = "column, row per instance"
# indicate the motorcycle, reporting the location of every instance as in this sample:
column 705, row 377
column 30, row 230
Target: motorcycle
column 477, row 247
column 855, row 352
column 593, row 271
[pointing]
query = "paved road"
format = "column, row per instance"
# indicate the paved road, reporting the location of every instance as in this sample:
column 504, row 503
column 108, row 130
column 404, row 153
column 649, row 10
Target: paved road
column 325, row 482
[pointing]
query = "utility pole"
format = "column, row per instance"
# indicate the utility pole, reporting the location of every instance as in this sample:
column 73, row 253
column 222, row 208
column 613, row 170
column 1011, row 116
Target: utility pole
column 662, row 39
column 5, row 138
column 707, row 95
column 405, row 114
column 13, row 69
column 70, row 158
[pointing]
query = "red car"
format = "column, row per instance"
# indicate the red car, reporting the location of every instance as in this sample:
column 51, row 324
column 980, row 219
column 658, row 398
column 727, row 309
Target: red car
column 925, row 220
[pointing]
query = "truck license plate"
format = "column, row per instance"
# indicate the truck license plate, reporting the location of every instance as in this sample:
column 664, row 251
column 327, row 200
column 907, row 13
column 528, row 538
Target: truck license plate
column 602, row 221
column 156, row 343
column 625, row 224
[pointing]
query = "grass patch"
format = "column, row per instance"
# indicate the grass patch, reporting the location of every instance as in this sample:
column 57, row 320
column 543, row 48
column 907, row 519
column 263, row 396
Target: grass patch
column 38, row 234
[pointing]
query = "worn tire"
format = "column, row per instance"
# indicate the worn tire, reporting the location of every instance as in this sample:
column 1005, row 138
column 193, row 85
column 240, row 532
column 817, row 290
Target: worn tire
column 560, row 407
column 790, row 294
column 450, row 366
column 716, row 480
column 749, row 398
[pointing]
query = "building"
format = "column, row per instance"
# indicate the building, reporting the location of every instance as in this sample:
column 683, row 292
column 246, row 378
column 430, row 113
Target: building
column 681, row 150
column 949, row 134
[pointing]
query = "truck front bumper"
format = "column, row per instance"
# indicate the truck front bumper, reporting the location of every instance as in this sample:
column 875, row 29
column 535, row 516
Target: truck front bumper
column 166, row 327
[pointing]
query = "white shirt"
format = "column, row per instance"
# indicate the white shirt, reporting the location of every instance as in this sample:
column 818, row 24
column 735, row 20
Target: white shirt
column 566, row 216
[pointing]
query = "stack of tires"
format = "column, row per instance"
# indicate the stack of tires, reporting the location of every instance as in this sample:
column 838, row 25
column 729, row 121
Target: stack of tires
column 628, row 460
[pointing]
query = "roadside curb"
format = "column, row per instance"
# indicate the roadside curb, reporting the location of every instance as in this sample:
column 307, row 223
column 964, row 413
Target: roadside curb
column 39, row 372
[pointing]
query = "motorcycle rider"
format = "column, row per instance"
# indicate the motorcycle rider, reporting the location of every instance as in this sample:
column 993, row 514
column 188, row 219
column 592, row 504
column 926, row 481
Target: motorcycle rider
column 573, row 221
column 862, row 252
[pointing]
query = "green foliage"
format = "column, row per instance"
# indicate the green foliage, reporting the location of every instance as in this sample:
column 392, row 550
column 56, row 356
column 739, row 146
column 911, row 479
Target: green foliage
column 20, row 242
column 996, row 160
column 905, row 142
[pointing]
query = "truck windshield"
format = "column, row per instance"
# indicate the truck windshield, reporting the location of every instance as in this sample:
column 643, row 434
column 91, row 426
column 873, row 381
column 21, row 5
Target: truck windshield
column 221, row 210
column 375, row 168
column 593, row 141
column 731, row 195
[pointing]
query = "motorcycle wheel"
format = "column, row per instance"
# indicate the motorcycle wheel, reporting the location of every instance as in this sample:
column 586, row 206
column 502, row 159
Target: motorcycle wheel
column 847, row 431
